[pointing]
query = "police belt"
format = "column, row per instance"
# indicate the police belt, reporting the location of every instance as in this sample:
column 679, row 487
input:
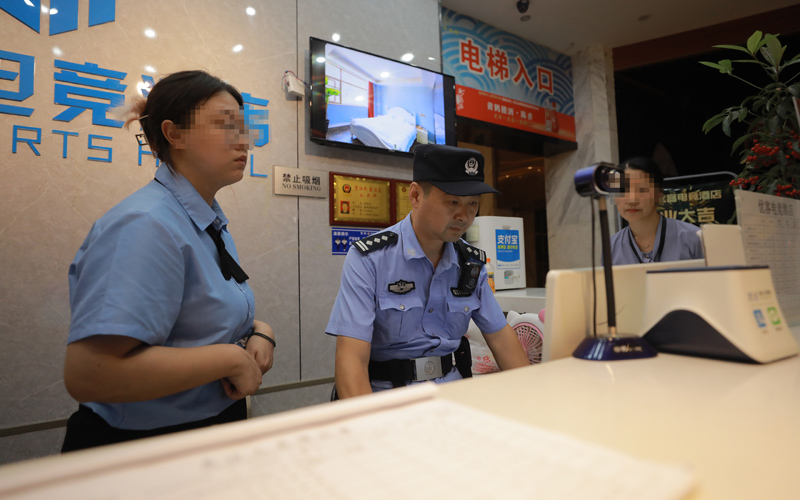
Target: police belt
column 402, row 371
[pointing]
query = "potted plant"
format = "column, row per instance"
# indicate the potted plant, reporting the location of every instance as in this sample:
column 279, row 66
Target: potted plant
column 329, row 91
column 769, row 147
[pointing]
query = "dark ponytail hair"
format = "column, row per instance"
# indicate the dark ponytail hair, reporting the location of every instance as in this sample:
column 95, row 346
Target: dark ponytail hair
column 173, row 98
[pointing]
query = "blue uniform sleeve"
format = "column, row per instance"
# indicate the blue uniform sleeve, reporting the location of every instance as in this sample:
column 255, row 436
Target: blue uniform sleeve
column 353, row 312
column 127, row 279
column 489, row 318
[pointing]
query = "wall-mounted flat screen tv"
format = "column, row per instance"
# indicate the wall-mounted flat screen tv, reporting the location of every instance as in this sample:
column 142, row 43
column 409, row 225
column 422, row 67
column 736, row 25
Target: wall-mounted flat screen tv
column 363, row 101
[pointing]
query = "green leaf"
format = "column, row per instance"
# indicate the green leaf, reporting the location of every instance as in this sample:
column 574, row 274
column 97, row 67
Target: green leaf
column 712, row 65
column 713, row 122
column 768, row 56
column 727, row 66
column 738, row 143
column 726, row 125
column 766, row 39
column 795, row 90
column 783, row 109
column 742, row 115
column 733, row 47
column 774, row 124
column 775, row 51
column 753, row 41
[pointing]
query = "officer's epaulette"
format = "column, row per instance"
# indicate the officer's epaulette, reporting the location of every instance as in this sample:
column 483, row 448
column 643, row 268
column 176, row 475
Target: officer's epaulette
column 376, row 241
column 470, row 252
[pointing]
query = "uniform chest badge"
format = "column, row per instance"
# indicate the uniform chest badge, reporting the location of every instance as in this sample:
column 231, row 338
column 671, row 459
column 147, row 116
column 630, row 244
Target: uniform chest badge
column 401, row 287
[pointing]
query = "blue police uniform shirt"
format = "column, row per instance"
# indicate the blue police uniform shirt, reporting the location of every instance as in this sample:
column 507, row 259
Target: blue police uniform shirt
column 427, row 320
column 680, row 243
column 148, row 270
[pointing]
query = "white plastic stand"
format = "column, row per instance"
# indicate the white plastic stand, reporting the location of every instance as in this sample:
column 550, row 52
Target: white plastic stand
column 728, row 313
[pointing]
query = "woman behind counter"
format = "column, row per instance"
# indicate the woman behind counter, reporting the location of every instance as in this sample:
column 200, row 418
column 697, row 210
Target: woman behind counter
column 649, row 237
column 158, row 299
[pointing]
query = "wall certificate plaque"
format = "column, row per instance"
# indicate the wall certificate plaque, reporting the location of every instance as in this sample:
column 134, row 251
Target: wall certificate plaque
column 402, row 203
column 360, row 201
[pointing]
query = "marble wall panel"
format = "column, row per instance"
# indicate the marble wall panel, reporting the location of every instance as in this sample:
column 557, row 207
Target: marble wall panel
column 267, row 404
column 32, row 445
column 568, row 215
column 49, row 202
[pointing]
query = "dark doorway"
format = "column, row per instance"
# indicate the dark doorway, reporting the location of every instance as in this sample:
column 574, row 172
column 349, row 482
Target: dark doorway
column 661, row 109
column 520, row 177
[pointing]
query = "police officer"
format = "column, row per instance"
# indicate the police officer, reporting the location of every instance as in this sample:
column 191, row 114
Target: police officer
column 407, row 293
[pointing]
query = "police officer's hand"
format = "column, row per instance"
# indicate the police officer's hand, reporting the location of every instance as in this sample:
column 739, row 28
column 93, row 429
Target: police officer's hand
column 245, row 375
column 261, row 349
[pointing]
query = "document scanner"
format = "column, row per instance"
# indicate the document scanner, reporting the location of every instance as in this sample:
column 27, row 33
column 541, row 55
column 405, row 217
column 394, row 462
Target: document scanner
column 729, row 313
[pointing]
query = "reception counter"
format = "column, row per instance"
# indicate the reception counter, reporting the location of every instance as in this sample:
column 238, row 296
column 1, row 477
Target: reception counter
column 737, row 424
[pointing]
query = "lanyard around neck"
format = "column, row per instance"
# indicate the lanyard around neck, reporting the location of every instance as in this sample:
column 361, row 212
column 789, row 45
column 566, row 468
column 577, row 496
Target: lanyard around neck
column 660, row 244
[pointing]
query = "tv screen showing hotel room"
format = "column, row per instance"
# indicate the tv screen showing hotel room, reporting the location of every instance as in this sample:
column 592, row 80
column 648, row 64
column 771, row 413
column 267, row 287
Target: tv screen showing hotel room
column 360, row 100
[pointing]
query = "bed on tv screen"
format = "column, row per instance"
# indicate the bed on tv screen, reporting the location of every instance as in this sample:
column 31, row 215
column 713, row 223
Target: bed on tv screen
column 364, row 101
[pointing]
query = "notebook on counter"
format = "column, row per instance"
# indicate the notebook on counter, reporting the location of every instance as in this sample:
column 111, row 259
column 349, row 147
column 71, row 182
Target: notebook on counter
column 404, row 443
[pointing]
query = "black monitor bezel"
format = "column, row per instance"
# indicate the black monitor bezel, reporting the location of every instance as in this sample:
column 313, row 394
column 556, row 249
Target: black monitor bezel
column 318, row 107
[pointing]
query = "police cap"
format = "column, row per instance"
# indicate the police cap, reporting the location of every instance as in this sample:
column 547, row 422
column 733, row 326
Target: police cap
column 454, row 170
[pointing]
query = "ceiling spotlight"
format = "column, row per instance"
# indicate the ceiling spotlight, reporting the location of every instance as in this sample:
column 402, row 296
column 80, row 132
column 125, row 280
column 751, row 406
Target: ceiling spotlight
column 142, row 86
column 335, row 37
column 237, row 48
column 522, row 6
column 250, row 11
column 407, row 57
column 149, row 33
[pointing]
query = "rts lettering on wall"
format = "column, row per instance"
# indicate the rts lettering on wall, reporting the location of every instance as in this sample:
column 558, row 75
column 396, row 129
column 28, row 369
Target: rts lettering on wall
column 81, row 87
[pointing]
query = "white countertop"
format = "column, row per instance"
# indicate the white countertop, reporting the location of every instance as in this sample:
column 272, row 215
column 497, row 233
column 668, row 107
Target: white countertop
column 521, row 300
column 737, row 424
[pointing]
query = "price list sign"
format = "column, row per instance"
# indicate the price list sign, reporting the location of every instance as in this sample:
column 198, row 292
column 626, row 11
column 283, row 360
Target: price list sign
column 771, row 236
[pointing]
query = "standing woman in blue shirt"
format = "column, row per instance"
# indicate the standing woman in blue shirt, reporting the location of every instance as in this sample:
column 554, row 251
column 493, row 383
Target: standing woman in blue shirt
column 649, row 237
column 163, row 336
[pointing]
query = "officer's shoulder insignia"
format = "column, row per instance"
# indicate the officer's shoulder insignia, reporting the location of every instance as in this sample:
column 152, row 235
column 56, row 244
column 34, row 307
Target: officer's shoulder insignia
column 401, row 287
column 469, row 251
column 376, row 241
